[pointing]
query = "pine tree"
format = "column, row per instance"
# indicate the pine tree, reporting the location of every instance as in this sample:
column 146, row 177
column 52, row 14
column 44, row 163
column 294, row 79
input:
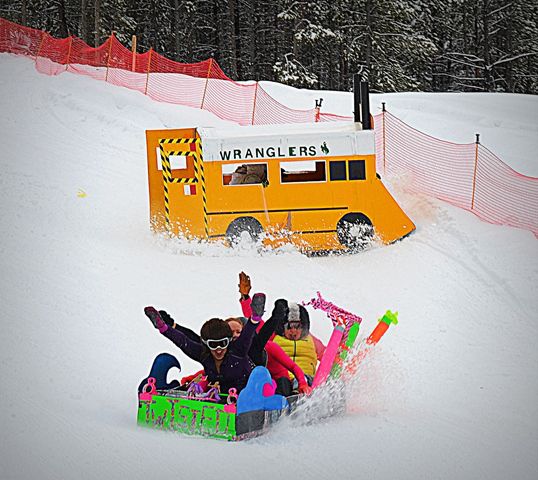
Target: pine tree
column 438, row 45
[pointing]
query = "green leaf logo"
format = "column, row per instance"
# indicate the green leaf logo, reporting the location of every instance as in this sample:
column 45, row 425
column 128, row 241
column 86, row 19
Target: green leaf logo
column 324, row 148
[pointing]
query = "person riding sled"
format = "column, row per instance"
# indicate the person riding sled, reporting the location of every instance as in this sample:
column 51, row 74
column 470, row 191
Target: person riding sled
column 279, row 363
column 294, row 337
column 264, row 330
column 225, row 363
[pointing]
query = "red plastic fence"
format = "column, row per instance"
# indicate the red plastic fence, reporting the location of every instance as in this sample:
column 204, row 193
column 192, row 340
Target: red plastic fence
column 468, row 176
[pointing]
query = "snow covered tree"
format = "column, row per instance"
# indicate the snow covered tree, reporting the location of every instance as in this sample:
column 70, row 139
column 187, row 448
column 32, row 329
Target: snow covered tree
column 438, row 45
column 488, row 44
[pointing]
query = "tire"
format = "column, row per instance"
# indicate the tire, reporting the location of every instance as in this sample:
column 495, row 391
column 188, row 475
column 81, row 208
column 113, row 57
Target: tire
column 355, row 231
column 244, row 229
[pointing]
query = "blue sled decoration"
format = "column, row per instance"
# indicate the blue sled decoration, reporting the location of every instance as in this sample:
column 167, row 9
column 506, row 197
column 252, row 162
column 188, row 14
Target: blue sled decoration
column 159, row 371
column 259, row 394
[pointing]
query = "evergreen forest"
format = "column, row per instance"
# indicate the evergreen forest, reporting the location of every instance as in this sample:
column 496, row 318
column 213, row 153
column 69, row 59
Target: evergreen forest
column 398, row 45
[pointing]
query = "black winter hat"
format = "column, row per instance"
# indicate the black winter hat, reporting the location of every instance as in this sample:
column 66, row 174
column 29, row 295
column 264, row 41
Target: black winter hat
column 294, row 313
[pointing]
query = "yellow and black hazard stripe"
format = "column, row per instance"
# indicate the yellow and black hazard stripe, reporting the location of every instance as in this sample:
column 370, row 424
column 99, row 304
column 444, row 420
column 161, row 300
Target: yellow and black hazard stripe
column 202, row 184
column 195, row 149
column 166, row 158
column 167, row 179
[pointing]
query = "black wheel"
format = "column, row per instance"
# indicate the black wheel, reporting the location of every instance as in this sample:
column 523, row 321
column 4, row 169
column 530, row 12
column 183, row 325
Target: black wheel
column 244, row 230
column 355, row 231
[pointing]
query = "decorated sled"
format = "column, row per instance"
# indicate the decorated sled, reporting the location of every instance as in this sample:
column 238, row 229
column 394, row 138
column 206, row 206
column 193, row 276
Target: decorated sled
column 193, row 410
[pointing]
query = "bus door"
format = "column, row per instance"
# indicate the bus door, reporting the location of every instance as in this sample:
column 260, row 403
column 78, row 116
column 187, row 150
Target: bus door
column 180, row 163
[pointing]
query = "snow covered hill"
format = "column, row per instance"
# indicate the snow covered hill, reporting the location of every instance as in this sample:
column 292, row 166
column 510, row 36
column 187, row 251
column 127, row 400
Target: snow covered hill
column 451, row 392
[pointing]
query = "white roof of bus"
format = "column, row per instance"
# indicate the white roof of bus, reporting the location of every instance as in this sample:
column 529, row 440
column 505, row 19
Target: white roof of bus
column 235, row 131
column 313, row 140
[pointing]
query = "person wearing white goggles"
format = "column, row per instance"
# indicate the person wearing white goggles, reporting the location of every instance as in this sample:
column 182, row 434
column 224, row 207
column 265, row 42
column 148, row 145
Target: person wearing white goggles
column 226, row 363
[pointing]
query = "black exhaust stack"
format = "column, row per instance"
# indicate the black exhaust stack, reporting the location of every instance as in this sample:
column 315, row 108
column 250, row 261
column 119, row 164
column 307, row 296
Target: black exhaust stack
column 356, row 98
column 365, row 104
column 361, row 102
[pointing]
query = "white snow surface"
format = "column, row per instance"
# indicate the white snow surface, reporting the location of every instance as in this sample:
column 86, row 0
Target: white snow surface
column 451, row 392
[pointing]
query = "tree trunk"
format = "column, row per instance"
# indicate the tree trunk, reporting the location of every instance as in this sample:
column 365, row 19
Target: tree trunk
column 63, row 30
column 24, row 12
column 464, row 34
column 476, row 40
column 83, row 25
column 509, row 77
column 489, row 83
column 177, row 40
column 230, row 41
column 369, row 34
column 97, row 18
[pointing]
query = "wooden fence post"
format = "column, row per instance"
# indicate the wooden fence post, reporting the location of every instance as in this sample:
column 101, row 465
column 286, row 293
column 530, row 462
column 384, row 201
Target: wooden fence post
column 206, row 82
column 40, row 45
column 254, row 106
column 68, row 53
column 133, row 48
column 109, row 53
column 317, row 115
column 383, row 110
column 148, row 69
column 477, row 143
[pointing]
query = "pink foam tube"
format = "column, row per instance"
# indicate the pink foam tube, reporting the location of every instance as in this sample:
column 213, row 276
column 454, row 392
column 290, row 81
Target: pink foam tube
column 329, row 356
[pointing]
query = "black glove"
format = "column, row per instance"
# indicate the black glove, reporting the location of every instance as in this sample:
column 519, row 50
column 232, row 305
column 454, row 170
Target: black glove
column 281, row 310
column 258, row 304
column 154, row 316
column 166, row 318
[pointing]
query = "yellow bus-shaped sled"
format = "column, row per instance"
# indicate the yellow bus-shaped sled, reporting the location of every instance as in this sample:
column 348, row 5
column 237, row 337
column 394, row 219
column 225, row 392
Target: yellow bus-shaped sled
column 315, row 186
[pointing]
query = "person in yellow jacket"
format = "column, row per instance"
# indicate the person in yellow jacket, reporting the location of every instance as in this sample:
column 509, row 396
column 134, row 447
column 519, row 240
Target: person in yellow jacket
column 294, row 336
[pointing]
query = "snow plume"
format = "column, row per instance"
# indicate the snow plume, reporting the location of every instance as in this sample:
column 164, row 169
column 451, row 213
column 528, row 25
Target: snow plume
column 375, row 388
column 378, row 383
column 245, row 248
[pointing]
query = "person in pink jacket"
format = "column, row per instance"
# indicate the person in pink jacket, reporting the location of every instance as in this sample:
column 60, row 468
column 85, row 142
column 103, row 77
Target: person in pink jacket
column 278, row 362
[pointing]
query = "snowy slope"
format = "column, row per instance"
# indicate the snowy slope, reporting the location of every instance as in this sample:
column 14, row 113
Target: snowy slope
column 451, row 392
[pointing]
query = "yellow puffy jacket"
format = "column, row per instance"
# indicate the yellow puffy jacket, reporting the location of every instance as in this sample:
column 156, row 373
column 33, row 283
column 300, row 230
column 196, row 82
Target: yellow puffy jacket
column 302, row 352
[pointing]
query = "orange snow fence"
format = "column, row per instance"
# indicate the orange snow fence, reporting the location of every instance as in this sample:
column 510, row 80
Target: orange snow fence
column 468, row 176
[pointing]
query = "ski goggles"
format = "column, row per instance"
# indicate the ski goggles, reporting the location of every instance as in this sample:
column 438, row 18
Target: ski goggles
column 221, row 343
column 289, row 325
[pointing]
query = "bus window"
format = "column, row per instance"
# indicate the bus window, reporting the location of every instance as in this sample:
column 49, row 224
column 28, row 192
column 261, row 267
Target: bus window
column 305, row 171
column 244, row 174
column 357, row 170
column 337, row 170
column 177, row 162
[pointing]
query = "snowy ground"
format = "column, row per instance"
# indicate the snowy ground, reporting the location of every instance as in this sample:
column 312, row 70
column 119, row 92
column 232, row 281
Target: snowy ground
column 450, row 393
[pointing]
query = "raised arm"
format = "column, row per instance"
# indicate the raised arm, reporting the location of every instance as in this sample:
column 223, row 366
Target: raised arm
column 244, row 289
column 172, row 323
column 241, row 346
column 279, row 314
column 191, row 348
column 276, row 353
column 245, row 306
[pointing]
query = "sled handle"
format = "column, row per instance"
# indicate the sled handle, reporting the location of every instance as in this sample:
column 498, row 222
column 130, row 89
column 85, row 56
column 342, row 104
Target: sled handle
column 148, row 390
